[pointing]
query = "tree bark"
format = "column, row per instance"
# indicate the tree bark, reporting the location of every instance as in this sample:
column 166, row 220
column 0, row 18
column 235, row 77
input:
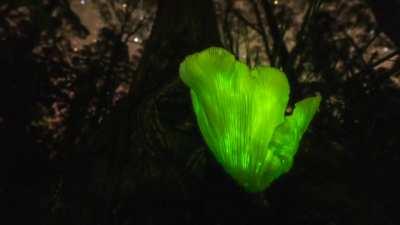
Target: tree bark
column 136, row 161
column 181, row 28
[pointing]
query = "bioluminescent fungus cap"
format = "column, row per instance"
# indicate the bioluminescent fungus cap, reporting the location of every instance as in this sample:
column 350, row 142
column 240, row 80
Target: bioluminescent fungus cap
column 241, row 115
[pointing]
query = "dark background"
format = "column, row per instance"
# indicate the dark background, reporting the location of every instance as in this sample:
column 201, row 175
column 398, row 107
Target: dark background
column 102, row 131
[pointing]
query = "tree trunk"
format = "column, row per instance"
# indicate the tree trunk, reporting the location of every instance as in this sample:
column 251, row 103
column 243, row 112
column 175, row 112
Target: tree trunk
column 181, row 28
column 137, row 161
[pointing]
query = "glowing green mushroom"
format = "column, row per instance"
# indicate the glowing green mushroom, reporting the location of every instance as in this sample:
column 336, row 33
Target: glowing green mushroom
column 241, row 115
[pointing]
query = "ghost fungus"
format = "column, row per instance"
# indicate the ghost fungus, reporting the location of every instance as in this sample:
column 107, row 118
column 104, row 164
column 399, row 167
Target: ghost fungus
column 241, row 115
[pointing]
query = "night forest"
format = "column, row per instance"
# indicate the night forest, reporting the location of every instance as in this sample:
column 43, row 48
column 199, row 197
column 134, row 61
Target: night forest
column 97, row 128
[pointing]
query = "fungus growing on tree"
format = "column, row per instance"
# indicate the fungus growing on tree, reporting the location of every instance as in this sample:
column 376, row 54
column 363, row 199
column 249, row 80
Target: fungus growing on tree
column 241, row 115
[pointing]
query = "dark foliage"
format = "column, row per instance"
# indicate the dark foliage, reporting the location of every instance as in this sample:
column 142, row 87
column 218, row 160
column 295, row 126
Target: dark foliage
column 97, row 155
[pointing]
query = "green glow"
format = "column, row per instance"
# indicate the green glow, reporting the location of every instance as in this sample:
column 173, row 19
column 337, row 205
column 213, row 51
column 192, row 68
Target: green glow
column 241, row 115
